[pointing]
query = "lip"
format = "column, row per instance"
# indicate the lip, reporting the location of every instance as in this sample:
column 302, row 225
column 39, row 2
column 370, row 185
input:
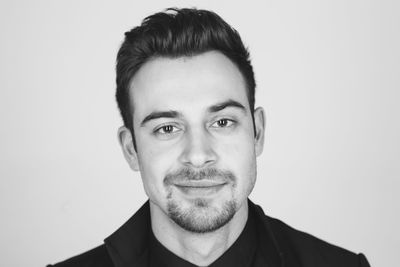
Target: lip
column 200, row 187
column 200, row 183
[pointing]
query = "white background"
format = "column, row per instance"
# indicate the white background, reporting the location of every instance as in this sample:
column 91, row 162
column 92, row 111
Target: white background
column 328, row 75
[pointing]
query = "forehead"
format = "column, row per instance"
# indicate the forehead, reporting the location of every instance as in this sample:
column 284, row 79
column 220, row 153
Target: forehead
column 186, row 83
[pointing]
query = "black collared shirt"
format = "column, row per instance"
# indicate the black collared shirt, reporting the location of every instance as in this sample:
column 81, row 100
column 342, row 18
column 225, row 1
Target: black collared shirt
column 241, row 253
column 264, row 242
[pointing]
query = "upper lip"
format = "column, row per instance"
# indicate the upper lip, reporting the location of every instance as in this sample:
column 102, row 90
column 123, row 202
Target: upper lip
column 200, row 183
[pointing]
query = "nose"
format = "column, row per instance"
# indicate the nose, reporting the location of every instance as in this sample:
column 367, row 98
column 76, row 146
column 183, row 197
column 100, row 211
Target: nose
column 199, row 149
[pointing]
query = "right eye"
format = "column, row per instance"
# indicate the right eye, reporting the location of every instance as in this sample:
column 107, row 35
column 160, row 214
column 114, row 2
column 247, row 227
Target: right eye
column 166, row 130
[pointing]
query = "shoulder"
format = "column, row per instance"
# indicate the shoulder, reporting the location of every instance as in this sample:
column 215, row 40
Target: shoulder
column 303, row 249
column 307, row 248
column 98, row 257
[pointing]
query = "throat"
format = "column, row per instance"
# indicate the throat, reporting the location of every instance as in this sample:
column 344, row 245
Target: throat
column 205, row 250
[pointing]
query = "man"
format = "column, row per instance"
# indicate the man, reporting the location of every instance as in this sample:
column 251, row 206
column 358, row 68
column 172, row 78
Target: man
column 185, row 89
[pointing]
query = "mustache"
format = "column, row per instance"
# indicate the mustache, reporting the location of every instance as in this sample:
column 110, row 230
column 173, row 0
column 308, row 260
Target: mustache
column 187, row 174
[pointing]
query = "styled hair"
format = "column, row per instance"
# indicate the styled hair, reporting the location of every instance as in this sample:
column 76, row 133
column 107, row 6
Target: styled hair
column 178, row 33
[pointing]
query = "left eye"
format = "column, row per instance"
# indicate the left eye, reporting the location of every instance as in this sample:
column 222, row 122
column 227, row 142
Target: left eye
column 222, row 123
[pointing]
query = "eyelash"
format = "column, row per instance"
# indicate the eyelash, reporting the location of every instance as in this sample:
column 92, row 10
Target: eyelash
column 228, row 122
column 162, row 128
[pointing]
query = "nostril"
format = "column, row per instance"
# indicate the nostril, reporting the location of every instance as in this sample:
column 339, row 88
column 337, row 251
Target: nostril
column 199, row 157
column 199, row 161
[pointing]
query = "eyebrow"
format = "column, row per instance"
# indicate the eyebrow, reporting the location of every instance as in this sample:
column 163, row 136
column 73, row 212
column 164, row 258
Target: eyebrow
column 226, row 104
column 160, row 114
column 175, row 114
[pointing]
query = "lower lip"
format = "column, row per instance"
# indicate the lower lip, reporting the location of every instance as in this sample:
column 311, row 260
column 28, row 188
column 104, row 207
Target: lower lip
column 193, row 190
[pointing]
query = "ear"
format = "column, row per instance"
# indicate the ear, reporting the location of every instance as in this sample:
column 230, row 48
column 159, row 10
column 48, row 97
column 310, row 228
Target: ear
column 126, row 142
column 259, row 121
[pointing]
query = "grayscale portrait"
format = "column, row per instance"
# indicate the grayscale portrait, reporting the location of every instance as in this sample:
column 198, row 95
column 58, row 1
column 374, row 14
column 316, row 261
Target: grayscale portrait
column 200, row 134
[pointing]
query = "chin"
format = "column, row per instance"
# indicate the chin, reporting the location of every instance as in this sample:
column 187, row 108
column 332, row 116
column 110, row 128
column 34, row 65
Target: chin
column 201, row 215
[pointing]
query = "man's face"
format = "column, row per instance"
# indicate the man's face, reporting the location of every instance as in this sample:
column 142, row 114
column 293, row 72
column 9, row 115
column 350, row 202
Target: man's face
column 196, row 148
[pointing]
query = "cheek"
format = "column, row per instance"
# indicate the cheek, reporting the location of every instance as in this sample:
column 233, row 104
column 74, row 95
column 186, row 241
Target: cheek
column 154, row 164
column 239, row 149
column 239, row 156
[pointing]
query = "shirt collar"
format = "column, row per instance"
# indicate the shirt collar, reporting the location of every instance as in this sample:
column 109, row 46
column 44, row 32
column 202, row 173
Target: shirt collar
column 128, row 246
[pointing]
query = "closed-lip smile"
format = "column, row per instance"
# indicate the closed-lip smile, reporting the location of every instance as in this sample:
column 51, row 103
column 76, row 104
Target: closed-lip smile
column 200, row 183
column 201, row 187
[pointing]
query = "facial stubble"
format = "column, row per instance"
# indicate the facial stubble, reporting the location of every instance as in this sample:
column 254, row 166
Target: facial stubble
column 202, row 216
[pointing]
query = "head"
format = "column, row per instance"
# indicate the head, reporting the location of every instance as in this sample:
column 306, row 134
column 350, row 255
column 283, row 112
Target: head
column 173, row 34
column 185, row 90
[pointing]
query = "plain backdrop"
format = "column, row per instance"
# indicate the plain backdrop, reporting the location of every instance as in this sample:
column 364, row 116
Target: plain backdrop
column 328, row 76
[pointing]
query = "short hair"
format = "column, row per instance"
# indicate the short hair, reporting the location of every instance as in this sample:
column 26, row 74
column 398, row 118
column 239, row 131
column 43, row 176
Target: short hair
column 178, row 33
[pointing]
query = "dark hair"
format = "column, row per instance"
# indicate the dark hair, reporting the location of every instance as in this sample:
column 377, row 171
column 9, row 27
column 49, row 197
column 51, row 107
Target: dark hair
column 177, row 33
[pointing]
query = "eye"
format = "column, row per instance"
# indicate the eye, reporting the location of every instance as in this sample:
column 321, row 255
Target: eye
column 223, row 123
column 166, row 129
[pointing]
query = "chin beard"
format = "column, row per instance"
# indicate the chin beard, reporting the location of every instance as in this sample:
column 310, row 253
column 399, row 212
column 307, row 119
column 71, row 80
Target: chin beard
column 201, row 218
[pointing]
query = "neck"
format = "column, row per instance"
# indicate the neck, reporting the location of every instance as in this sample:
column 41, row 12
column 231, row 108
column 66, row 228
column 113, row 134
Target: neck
column 199, row 249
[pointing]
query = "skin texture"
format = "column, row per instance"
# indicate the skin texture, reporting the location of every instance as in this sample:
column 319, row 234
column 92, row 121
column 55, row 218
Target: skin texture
column 196, row 151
